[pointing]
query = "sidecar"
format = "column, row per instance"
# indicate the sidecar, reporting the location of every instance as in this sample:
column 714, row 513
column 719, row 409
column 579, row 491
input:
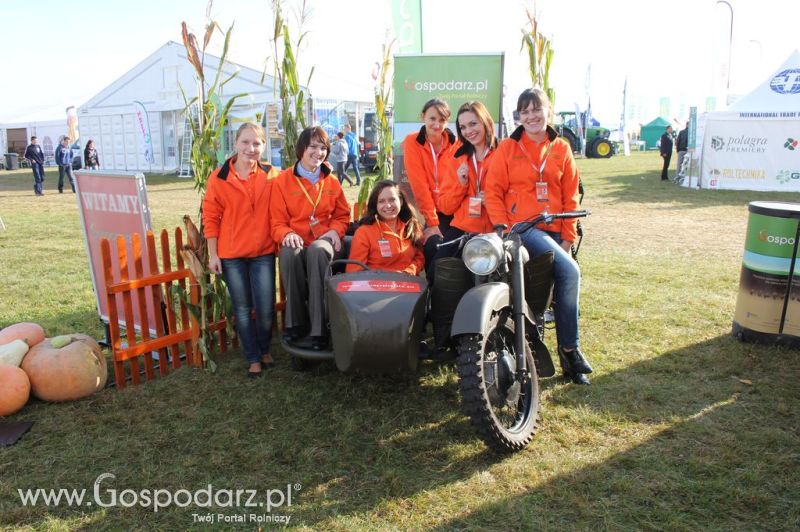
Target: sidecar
column 376, row 322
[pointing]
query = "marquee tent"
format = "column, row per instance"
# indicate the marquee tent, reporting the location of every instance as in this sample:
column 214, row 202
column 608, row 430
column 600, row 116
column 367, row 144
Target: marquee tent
column 652, row 131
column 755, row 144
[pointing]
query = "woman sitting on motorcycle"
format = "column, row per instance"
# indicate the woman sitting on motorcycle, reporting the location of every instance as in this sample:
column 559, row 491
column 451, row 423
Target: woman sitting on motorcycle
column 389, row 236
column 309, row 218
column 426, row 158
column 464, row 183
column 533, row 171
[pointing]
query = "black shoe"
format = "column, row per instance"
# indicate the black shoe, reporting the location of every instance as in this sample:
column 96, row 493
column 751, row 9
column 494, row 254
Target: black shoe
column 292, row 334
column 575, row 360
column 319, row 343
column 267, row 365
column 254, row 374
column 580, row 378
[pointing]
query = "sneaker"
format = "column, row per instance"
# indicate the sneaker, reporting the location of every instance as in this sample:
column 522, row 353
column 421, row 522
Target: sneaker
column 575, row 360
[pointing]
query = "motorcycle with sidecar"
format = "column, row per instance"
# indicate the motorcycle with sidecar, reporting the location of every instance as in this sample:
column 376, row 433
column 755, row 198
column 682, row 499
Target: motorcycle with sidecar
column 490, row 302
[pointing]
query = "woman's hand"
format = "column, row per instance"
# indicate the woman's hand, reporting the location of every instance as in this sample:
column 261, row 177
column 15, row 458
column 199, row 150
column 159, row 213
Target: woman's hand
column 214, row 264
column 333, row 236
column 566, row 245
column 463, row 174
column 292, row 240
column 429, row 232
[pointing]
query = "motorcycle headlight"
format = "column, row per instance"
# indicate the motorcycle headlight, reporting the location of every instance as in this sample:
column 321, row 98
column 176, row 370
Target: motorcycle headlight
column 482, row 254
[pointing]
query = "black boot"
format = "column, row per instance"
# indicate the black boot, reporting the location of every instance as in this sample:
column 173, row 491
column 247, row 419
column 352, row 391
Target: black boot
column 576, row 360
column 569, row 372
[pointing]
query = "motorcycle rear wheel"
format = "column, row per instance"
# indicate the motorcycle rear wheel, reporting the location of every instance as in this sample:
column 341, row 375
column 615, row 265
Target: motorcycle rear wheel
column 506, row 417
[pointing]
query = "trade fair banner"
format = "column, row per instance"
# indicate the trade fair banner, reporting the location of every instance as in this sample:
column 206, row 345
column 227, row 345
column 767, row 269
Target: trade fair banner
column 751, row 155
column 143, row 129
column 453, row 78
column 407, row 18
column 113, row 204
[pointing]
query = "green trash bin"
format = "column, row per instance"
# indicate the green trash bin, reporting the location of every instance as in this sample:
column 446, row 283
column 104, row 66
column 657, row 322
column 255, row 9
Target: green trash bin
column 12, row 161
column 768, row 303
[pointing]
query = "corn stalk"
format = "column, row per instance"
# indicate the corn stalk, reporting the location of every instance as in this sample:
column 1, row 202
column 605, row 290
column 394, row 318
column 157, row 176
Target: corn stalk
column 286, row 73
column 208, row 129
column 540, row 56
column 383, row 92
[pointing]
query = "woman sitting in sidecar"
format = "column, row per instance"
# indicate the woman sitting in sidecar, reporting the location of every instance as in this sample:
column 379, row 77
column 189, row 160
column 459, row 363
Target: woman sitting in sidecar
column 376, row 308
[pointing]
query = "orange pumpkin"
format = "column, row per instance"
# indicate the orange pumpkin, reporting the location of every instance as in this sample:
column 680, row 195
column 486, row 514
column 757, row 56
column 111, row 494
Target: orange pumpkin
column 71, row 372
column 15, row 389
column 30, row 332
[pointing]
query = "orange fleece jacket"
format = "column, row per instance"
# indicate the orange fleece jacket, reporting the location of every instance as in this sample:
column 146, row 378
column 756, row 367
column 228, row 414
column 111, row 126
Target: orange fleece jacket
column 455, row 196
column 406, row 257
column 291, row 209
column 423, row 174
column 511, row 184
column 240, row 222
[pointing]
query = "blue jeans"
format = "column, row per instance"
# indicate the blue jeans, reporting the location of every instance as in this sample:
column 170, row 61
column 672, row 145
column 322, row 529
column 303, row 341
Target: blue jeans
column 251, row 283
column 353, row 159
column 38, row 177
column 567, row 277
column 65, row 169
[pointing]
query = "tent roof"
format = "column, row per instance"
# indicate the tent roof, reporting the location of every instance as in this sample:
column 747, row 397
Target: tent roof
column 658, row 122
column 779, row 92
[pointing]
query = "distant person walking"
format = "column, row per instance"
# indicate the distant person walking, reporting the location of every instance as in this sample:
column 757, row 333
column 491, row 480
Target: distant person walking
column 352, row 152
column 64, row 161
column 682, row 146
column 91, row 160
column 35, row 156
column 666, row 152
column 339, row 155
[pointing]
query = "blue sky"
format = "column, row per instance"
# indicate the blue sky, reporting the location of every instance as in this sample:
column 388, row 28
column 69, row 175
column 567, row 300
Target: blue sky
column 69, row 51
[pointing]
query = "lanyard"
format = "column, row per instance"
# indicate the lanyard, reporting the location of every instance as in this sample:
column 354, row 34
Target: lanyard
column 387, row 231
column 544, row 160
column 435, row 166
column 308, row 197
column 479, row 173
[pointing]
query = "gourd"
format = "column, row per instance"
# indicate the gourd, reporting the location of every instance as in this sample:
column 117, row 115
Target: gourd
column 75, row 370
column 30, row 332
column 15, row 389
column 13, row 352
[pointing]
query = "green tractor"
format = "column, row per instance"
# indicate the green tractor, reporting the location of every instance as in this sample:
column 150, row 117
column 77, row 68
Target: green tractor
column 597, row 143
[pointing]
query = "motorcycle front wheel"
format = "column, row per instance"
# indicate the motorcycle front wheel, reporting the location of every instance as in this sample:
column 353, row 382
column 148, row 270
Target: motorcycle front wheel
column 502, row 409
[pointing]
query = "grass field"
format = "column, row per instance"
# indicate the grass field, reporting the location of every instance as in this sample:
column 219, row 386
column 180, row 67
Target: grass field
column 684, row 428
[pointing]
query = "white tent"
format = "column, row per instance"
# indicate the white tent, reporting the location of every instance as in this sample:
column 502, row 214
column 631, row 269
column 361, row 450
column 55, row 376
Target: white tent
column 111, row 120
column 755, row 144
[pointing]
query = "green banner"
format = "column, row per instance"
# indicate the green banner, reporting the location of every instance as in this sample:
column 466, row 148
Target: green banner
column 407, row 17
column 692, row 128
column 453, row 78
column 771, row 235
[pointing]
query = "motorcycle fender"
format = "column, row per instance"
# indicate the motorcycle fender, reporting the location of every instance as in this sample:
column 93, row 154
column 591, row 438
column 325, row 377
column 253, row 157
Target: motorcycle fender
column 477, row 306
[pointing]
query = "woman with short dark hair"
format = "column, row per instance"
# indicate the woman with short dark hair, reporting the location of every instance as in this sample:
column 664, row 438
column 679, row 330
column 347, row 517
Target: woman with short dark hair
column 309, row 218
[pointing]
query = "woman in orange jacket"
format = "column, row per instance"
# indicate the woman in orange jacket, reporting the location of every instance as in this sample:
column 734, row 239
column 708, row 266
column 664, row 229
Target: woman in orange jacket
column 426, row 158
column 236, row 223
column 309, row 218
column 389, row 235
column 463, row 190
column 533, row 171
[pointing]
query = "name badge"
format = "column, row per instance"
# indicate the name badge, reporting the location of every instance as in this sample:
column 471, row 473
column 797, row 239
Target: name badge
column 386, row 249
column 316, row 229
column 474, row 206
column 541, row 192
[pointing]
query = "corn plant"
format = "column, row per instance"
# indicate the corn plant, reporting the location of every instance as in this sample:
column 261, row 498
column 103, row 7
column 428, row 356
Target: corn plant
column 286, row 73
column 383, row 93
column 207, row 118
column 540, row 56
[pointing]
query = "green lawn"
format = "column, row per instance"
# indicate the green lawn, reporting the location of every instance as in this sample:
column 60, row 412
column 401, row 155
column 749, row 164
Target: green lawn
column 684, row 428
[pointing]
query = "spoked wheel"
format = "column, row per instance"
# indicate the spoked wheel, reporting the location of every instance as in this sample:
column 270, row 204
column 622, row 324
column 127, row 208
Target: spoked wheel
column 503, row 409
